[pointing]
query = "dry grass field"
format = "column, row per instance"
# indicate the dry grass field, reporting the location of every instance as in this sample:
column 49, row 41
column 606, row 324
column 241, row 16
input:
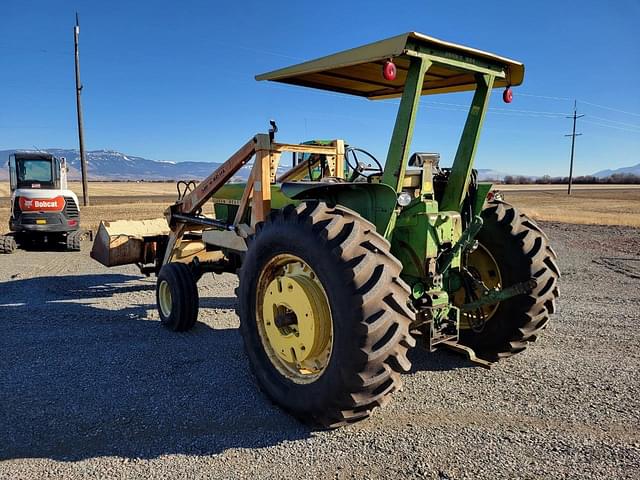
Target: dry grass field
column 602, row 205
column 115, row 189
column 584, row 206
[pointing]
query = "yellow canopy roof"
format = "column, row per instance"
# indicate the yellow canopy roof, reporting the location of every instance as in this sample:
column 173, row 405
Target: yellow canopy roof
column 358, row 71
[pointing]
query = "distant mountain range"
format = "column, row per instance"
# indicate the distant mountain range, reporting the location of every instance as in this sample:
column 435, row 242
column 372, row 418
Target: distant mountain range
column 112, row 165
column 634, row 169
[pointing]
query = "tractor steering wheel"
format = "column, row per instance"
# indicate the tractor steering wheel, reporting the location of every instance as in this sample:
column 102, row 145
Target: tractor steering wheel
column 359, row 168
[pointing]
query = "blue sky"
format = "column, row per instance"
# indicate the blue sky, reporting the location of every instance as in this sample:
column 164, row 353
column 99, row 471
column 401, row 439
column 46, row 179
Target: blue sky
column 173, row 80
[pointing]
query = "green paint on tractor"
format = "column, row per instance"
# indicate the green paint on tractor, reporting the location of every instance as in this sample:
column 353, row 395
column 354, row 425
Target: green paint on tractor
column 339, row 273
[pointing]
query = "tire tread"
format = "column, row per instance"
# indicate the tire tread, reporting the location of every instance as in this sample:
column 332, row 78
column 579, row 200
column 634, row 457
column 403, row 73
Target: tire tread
column 539, row 303
column 384, row 324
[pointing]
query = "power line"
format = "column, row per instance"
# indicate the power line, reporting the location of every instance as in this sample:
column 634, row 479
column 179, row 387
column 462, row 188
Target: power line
column 610, row 108
column 510, row 110
column 531, row 115
column 457, row 107
column 452, row 107
column 543, row 96
column 615, row 121
column 612, row 126
column 549, row 97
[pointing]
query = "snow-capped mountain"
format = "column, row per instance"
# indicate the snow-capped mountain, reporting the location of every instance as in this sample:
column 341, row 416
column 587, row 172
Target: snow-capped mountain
column 112, row 165
column 634, row 169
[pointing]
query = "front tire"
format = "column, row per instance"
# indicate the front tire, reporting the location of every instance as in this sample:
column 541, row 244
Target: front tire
column 513, row 249
column 324, row 270
column 7, row 244
column 177, row 297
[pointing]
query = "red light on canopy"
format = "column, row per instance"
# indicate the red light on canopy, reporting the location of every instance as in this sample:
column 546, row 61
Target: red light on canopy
column 389, row 70
column 507, row 95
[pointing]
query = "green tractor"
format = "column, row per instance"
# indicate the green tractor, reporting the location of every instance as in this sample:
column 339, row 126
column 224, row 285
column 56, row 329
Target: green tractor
column 344, row 264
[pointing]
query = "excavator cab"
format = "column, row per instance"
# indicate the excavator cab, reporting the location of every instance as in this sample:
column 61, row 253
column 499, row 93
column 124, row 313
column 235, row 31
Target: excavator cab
column 43, row 209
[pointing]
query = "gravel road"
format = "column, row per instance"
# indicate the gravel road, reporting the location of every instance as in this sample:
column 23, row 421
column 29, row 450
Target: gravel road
column 92, row 386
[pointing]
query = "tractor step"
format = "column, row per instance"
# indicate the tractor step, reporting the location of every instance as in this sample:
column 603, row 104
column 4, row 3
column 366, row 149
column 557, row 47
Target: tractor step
column 469, row 352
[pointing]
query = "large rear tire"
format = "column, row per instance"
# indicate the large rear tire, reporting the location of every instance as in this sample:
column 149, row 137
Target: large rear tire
column 324, row 270
column 7, row 244
column 512, row 250
column 177, row 297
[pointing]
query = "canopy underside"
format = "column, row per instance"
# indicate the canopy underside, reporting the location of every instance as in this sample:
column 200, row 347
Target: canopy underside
column 359, row 71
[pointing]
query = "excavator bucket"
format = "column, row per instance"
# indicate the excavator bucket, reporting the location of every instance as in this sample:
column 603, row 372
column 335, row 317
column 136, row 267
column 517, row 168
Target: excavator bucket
column 125, row 242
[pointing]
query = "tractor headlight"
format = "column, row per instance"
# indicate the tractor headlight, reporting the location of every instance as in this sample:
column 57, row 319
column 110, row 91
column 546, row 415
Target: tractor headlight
column 404, row 199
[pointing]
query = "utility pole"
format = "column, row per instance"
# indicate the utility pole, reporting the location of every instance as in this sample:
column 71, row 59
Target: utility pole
column 573, row 136
column 83, row 155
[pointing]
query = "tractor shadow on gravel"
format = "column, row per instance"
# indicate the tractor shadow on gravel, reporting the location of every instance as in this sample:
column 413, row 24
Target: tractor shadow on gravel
column 442, row 360
column 86, row 371
column 41, row 246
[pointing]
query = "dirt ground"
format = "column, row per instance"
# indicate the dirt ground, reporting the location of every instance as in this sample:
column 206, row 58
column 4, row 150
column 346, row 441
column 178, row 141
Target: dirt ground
column 595, row 205
column 91, row 386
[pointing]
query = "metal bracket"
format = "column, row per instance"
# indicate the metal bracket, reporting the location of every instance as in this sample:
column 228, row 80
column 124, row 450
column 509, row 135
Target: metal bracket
column 468, row 351
column 493, row 296
column 465, row 240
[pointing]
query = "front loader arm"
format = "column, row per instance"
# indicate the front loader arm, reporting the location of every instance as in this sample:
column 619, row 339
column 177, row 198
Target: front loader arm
column 184, row 216
column 210, row 185
column 193, row 201
column 122, row 245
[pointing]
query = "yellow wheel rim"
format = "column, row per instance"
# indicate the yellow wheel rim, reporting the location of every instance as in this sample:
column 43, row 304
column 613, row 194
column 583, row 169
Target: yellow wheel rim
column 483, row 268
column 164, row 298
column 294, row 318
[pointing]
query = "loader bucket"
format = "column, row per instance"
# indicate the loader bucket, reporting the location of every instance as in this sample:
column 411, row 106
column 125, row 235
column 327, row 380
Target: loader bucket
column 125, row 242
